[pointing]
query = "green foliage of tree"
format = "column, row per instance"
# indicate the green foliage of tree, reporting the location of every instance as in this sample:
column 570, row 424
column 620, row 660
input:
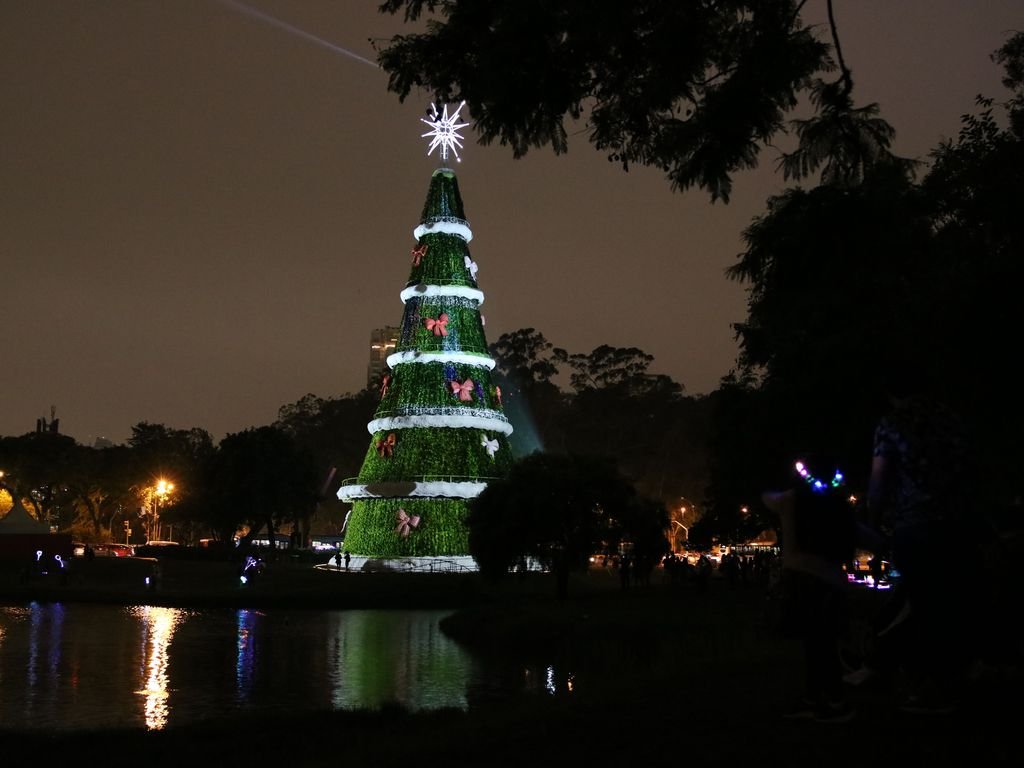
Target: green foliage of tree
column 557, row 510
column 834, row 294
column 976, row 271
column 620, row 409
column 845, row 279
column 643, row 526
column 259, row 478
column 177, row 456
column 524, row 359
column 36, row 468
column 616, row 408
column 525, row 369
column 607, row 367
column 694, row 89
column 332, row 430
column 844, row 141
column 100, row 483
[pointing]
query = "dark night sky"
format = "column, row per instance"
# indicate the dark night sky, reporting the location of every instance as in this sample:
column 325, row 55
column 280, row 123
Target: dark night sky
column 203, row 214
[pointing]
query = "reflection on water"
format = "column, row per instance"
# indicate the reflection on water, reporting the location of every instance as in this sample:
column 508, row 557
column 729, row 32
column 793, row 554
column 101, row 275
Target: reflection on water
column 81, row 666
column 550, row 680
column 379, row 656
column 246, row 644
column 158, row 626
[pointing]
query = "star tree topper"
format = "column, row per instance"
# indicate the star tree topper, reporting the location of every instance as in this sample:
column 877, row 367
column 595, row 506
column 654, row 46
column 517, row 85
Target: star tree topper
column 445, row 131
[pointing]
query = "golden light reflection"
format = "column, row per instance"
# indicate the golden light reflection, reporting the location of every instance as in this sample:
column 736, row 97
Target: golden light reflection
column 159, row 625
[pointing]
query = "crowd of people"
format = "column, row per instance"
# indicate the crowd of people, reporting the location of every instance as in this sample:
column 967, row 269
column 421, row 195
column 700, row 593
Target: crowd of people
column 737, row 569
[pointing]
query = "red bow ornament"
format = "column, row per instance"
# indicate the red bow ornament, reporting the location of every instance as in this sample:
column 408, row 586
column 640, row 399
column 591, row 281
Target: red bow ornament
column 386, row 447
column 384, row 384
column 418, row 254
column 439, row 326
column 406, row 523
column 463, row 390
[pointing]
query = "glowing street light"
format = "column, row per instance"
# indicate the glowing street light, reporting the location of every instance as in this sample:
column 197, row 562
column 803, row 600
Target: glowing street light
column 160, row 493
column 675, row 532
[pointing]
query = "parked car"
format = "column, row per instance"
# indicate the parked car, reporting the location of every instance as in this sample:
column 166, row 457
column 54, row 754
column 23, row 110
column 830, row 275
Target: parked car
column 113, row 550
column 161, row 549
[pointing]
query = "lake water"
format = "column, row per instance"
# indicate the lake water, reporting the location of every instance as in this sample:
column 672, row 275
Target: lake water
column 82, row 666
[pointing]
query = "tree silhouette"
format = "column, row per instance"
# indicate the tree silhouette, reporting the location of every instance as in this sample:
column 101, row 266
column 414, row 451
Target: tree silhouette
column 555, row 510
column 694, row 89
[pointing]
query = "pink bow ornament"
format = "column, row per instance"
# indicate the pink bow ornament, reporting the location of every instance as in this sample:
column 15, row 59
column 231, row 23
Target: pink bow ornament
column 418, row 254
column 463, row 390
column 406, row 523
column 439, row 326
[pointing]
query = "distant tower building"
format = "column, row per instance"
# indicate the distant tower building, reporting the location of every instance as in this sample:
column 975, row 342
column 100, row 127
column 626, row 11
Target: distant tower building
column 382, row 344
column 52, row 426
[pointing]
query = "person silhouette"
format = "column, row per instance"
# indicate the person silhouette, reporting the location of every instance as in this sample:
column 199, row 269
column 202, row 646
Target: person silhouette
column 921, row 491
column 818, row 537
column 625, row 566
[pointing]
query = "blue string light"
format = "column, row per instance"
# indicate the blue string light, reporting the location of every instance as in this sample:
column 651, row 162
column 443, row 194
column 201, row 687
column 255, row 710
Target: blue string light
column 817, row 485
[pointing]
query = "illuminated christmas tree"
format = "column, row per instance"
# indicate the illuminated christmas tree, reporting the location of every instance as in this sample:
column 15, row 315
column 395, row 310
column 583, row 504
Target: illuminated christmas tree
column 439, row 432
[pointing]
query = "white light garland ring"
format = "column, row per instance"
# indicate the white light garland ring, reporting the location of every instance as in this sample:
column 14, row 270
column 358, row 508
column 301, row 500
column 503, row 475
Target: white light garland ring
column 411, row 489
column 441, row 410
column 443, row 303
column 461, row 291
column 495, row 423
column 448, row 225
column 415, row 356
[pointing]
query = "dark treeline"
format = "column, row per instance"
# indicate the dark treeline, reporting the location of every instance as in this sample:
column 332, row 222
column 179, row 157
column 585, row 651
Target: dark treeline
column 287, row 473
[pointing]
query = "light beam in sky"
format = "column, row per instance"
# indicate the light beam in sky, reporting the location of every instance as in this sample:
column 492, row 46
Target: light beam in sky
column 256, row 14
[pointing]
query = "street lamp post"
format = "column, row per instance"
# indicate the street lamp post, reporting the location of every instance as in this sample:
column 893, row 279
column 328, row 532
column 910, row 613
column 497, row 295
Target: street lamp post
column 675, row 534
column 160, row 493
column 679, row 514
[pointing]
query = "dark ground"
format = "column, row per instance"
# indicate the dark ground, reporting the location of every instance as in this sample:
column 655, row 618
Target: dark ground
column 684, row 675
